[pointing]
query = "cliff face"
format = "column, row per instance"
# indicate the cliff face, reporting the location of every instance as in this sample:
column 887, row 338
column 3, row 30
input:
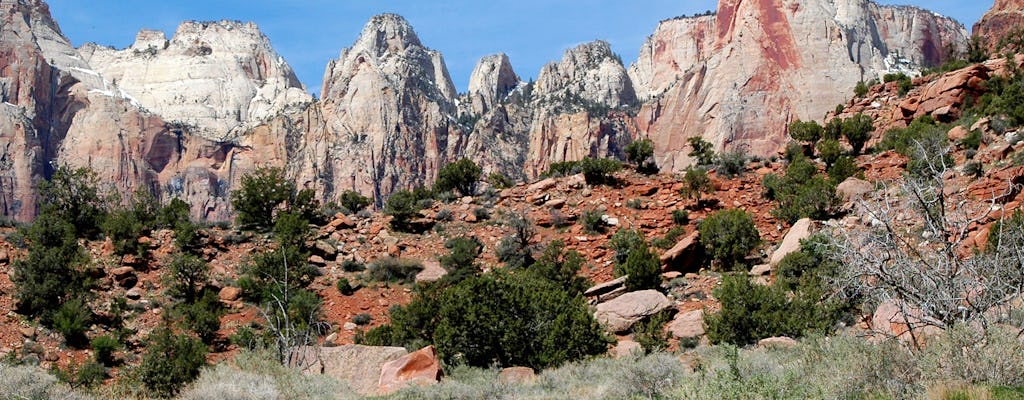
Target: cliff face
column 1005, row 20
column 739, row 77
column 189, row 116
column 220, row 77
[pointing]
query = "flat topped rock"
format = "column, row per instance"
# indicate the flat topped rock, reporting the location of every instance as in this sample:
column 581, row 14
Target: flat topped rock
column 356, row 365
column 620, row 313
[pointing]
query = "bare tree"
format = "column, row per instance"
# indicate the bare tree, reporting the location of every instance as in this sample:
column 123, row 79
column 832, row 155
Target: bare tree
column 292, row 326
column 914, row 251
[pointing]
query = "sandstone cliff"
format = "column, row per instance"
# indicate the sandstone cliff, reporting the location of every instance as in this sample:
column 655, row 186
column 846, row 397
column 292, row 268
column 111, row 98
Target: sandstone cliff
column 1003, row 23
column 740, row 76
column 218, row 76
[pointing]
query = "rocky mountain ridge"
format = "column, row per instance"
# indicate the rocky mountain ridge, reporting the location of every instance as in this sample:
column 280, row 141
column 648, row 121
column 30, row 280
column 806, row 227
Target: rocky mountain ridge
column 390, row 116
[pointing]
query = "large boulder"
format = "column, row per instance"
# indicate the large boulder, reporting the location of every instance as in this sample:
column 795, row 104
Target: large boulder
column 419, row 368
column 620, row 313
column 685, row 256
column 687, row 325
column 801, row 230
column 357, row 366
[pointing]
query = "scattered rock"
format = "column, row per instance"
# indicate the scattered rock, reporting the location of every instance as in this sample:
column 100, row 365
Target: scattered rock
column 432, row 272
column 418, row 368
column 685, row 256
column 518, row 375
column 542, row 186
column 350, row 326
column 777, row 342
column 357, row 366
column 133, row 293
column 577, row 181
column 317, row 260
column 27, row 332
column 4, row 257
column 620, row 313
column 627, row 348
column 342, row 221
column 687, row 325
column 229, row 294
column 555, row 203
column 853, row 189
column 791, row 243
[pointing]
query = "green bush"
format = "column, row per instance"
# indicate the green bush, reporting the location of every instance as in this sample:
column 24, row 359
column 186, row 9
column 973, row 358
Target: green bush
column 73, row 197
column 809, row 131
column 171, row 361
column 403, row 206
column 650, row 333
column 353, row 201
column 344, row 287
column 499, row 180
column 202, row 316
column 461, row 175
column 291, row 229
column 972, row 141
column 362, row 319
column 729, row 236
column 592, row 221
column 829, row 150
column 260, row 194
column 515, row 249
column 561, row 266
column 72, row 321
column 833, row 129
column 861, row 89
column 843, row 168
column 680, row 217
column 904, row 82
column 1005, row 98
column 643, row 268
column 640, row 153
column 695, row 183
column 857, row 130
column 175, row 213
column 623, row 241
column 390, row 269
column 352, row 266
column 189, row 274
column 514, row 320
column 802, row 192
column 732, row 163
column 481, row 214
column 90, row 374
column 753, row 312
column 273, row 272
column 562, row 169
column 598, row 171
column 702, row 151
column 103, row 348
column 460, row 262
column 52, row 273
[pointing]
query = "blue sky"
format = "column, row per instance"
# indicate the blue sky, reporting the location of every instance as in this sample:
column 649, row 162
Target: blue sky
column 308, row 33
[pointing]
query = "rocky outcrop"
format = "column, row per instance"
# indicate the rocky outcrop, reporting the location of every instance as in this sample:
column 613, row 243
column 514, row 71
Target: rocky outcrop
column 739, row 77
column 386, row 120
column 1002, row 22
column 357, row 366
column 217, row 76
column 491, row 82
column 620, row 313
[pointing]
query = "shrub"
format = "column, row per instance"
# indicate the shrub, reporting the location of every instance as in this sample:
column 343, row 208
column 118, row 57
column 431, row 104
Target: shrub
column 972, row 141
column 592, row 221
column 702, row 151
column 481, row 214
column 857, row 130
column 696, row 182
column 202, row 316
column 829, row 150
column 103, row 348
column 802, row 192
column 189, row 274
column 460, row 262
column 353, row 201
column 843, row 168
column 598, row 171
column 72, row 196
column 643, row 268
column 89, row 374
column 514, row 320
column 72, row 321
column 176, row 212
column 51, row 274
column 650, row 333
column 563, row 168
column 623, row 241
column 171, row 361
column 729, row 236
column 680, row 217
column 344, row 287
column 833, row 129
column 403, row 206
column 732, row 163
column 904, row 83
column 291, row 229
column 560, row 266
column 861, row 89
column 639, row 152
column 390, row 269
column 362, row 319
column 973, row 169
column 273, row 272
column 753, row 312
column 352, row 266
column 260, row 194
column 461, row 175
column 809, row 131
column 515, row 249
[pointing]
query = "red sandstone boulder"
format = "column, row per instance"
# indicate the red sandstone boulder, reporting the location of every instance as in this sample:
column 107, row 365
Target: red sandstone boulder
column 419, row 368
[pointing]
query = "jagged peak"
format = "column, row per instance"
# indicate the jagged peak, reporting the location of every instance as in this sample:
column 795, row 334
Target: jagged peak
column 387, row 33
column 493, row 76
column 598, row 50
